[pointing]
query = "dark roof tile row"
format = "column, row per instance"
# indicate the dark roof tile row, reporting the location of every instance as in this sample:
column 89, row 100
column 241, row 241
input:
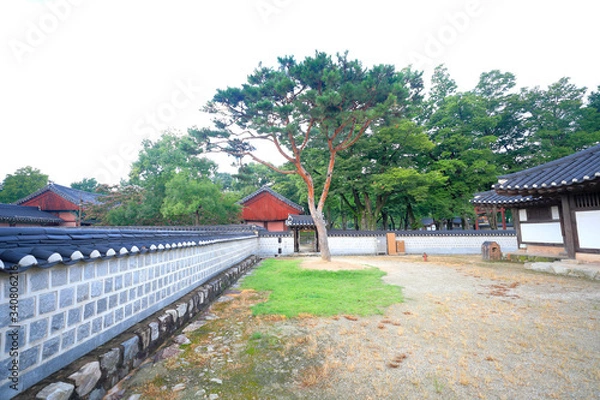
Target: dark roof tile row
column 558, row 175
column 22, row 248
column 12, row 213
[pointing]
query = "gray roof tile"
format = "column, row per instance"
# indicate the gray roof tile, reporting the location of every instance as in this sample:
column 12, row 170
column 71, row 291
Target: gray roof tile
column 22, row 248
column 580, row 168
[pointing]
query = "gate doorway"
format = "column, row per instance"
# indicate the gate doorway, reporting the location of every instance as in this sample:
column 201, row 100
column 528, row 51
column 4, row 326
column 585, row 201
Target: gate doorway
column 306, row 239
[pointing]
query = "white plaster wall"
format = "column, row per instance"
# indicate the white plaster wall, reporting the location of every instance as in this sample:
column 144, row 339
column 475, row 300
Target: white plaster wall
column 541, row 232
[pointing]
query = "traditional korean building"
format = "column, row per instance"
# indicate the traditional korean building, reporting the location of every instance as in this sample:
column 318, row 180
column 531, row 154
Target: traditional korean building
column 268, row 209
column 64, row 202
column 555, row 206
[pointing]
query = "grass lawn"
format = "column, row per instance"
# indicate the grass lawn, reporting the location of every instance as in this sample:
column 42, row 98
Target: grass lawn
column 294, row 290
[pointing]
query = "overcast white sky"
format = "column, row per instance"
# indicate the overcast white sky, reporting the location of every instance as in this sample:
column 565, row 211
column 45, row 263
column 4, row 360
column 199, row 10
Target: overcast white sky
column 83, row 82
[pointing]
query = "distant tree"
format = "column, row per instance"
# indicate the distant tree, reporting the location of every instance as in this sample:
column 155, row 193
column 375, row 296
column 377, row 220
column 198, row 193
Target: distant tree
column 319, row 104
column 199, row 202
column 87, row 185
column 22, row 183
column 555, row 123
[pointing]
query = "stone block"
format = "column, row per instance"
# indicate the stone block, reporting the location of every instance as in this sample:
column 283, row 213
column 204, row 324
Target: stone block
column 14, row 337
column 166, row 323
column 38, row 280
column 173, row 314
column 109, row 361
column 109, row 320
column 26, row 308
column 101, row 305
column 154, row 330
column 29, row 357
column 50, row 348
column 182, row 311
column 101, row 269
column 108, row 285
column 130, row 348
column 119, row 314
column 56, row 391
column 97, row 288
column 67, row 297
column 113, row 301
column 96, row 325
column 89, row 310
column 68, row 339
column 58, row 322
column 47, row 302
column 86, row 378
column 75, row 273
column 59, row 276
column 89, row 272
column 83, row 331
column 74, row 316
column 38, row 330
column 83, row 292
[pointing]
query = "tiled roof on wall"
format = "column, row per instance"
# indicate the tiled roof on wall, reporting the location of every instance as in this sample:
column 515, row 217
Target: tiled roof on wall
column 492, row 198
column 581, row 168
column 11, row 213
column 22, row 248
column 295, row 220
column 67, row 193
column 266, row 189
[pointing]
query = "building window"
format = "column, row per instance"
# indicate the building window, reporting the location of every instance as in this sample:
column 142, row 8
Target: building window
column 539, row 214
column 587, row 201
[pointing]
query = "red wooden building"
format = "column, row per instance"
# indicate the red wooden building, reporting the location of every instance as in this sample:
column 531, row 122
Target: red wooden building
column 268, row 209
column 64, row 202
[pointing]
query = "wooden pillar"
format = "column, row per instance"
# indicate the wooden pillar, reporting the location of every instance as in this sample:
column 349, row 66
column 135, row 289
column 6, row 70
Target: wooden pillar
column 517, row 223
column 316, row 240
column 296, row 240
column 568, row 223
column 477, row 218
column 502, row 211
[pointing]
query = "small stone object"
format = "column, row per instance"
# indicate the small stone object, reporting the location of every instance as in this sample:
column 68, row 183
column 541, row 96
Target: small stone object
column 200, row 392
column 179, row 387
column 86, row 378
column 168, row 352
column 181, row 339
column 56, row 391
column 193, row 326
column 213, row 396
column 217, row 380
column 135, row 397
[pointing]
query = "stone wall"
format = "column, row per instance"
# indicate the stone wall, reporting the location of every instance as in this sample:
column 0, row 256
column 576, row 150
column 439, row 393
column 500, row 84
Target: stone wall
column 467, row 243
column 67, row 311
column 344, row 243
column 93, row 376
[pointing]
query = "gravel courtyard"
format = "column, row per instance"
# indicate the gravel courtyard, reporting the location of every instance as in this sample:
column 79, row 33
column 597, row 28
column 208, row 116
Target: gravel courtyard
column 467, row 329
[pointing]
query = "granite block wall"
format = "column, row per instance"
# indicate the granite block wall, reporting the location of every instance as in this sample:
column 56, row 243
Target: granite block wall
column 68, row 310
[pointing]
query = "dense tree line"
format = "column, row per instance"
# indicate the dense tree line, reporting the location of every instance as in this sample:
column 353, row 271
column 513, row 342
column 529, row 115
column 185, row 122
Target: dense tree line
column 425, row 159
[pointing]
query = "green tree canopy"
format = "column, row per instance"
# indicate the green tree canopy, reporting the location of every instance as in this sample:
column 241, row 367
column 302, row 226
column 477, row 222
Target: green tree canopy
column 22, row 183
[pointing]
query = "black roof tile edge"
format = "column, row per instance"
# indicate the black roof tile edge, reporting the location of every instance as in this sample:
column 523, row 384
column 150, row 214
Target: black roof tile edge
column 131, row 241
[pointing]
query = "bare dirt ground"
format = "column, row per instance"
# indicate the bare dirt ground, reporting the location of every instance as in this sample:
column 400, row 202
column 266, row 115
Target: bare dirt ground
column 467, row 329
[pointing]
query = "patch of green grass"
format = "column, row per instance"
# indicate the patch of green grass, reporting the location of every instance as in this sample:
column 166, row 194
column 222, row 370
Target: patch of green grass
column 293, row 290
